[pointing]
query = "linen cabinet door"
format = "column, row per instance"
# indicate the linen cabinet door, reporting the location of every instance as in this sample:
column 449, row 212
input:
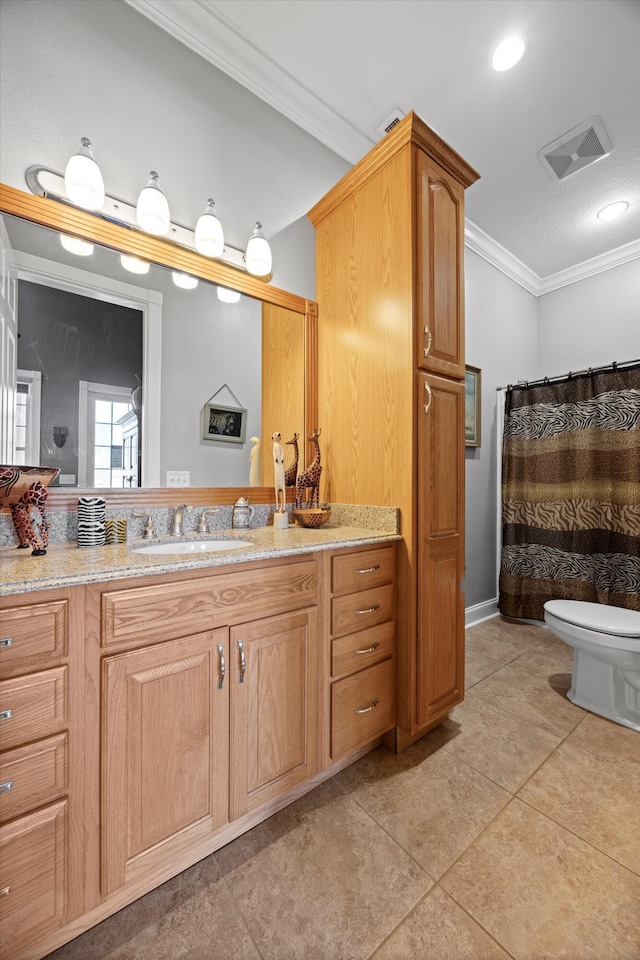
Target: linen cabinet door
column 274, row 708
column 165, row 732
column 440, row 660
column 440, row 269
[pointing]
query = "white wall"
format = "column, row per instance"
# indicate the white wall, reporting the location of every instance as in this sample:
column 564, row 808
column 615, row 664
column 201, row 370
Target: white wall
column 501, row 339
column 591, row 322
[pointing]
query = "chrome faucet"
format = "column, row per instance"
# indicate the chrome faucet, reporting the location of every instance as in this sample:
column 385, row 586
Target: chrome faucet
column 176, row 519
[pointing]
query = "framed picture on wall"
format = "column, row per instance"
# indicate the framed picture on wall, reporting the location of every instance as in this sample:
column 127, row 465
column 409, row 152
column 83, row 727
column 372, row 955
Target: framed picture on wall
column 223, row 424
column 472, row 405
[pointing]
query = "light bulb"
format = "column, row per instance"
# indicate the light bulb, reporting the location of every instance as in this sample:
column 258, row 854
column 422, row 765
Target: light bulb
column 613, row 210
column 508, row 53
column 258, row 254
column 83, row 181
column 133, row 265
column 227, row 295
column 184, row 280
column 152, row 210
column 209, row 233
column 82, row 248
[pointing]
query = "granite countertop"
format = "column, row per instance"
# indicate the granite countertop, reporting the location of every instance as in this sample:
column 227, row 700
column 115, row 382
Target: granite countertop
column 66, row 565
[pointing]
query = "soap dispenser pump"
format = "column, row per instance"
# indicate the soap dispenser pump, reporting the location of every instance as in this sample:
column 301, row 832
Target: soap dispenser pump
column 242, row 514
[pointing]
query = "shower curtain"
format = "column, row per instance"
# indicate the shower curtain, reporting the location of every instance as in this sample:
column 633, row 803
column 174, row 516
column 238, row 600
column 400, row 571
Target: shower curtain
column 571, row 492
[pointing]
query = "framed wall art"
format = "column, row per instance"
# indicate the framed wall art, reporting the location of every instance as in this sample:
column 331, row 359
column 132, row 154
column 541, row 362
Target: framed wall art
column 223, row 424
column 472, row 406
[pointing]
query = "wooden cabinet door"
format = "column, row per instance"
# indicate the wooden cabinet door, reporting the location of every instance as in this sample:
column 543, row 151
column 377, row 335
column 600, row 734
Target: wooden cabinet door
column 274, row 708
column 440, row 269
column 440, row 660
column 164, row 781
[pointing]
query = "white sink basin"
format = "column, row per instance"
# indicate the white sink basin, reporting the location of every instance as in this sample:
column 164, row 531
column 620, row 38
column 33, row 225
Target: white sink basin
column 193, row 547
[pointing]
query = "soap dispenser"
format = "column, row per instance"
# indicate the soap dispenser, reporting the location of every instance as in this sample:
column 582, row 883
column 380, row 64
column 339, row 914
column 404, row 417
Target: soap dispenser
column 242, row 514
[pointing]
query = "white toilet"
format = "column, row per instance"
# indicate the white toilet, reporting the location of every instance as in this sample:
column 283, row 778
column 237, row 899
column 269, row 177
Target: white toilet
column 606, row 657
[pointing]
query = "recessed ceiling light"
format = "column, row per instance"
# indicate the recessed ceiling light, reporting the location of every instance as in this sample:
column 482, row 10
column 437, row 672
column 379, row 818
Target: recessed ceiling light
column 613, row 210
column 508, row 53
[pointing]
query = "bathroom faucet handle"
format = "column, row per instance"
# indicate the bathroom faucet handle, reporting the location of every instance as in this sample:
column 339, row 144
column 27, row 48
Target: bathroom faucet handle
column 203, row 523
column 149, row 528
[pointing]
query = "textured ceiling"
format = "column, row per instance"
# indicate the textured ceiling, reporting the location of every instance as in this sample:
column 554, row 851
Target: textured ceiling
column 339, row 67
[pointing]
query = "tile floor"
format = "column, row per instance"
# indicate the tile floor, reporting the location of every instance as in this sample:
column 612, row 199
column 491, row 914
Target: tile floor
column 512, row 831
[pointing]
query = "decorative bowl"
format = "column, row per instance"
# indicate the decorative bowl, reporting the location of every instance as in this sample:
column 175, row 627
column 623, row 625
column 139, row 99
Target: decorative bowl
column 311, row 516
column 16, row 480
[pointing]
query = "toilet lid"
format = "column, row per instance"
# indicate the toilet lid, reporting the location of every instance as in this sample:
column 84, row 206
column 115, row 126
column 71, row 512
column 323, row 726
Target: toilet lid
column 596, row 616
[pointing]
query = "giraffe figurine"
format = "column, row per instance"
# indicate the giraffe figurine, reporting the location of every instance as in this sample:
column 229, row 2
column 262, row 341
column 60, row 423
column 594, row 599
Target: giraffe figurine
column 291, row 473
column 310, row 478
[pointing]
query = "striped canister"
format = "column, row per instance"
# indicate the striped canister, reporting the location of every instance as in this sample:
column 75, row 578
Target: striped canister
column 91, row 521
column 116, row 530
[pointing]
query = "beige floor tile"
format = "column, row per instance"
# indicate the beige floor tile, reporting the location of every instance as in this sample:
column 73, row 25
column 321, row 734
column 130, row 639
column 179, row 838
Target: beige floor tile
column 189, row 917
column 536, row 695
column 595, row 798
column 545, row 894
column 498, row 639
column 434, row 808
column 607, row 739
column 332, row 886
column 438, row 929
column 500, row 745
column 546, row 648
column 477, row 667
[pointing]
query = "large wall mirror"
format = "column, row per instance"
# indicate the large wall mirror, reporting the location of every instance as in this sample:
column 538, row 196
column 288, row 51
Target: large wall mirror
column 130, row 381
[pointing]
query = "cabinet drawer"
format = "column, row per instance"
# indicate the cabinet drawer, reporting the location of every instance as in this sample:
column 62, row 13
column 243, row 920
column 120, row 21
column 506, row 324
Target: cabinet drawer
column 32, row 776
column 361, row 571
column 32, row 635
column 32, row 707
column 357, row 611
column 359, row 650
column 176, row 609
column 362, row 707
column 32, row 877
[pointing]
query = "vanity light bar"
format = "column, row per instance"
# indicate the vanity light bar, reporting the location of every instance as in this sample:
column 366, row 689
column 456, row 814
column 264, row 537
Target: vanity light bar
column 47, row 183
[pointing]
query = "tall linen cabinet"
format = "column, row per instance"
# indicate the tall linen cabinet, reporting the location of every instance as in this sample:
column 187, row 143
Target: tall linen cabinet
column 390, row 290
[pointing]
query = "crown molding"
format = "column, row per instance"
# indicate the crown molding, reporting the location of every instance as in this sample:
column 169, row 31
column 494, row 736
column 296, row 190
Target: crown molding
column 204, row 30
column 588, row 268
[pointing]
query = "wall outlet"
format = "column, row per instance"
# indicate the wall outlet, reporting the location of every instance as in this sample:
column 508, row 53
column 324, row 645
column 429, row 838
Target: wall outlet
column 178, row 478
column 67, row 479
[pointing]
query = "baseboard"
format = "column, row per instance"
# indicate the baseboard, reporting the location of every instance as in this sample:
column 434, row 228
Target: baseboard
column 480, row 612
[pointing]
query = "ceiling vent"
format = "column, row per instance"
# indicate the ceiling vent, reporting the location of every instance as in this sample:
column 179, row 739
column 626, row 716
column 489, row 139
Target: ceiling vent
column 576, row 149
column 392, row 120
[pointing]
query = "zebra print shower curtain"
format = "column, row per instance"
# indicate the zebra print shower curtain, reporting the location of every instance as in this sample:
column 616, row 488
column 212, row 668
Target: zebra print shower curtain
column 571, row 493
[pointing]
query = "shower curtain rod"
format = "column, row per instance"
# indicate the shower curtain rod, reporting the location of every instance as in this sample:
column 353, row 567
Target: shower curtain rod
column 569, row 376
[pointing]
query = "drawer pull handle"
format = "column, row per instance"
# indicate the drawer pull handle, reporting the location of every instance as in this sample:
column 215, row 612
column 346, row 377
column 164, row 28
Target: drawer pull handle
column 243, row 662
column 6, row 642
column 6, row 714
column 372, row 609
column 374, row 646
column 4, row 891
column 223, row 666
column 427, row 406
column 368, row 709
column 428, row 335
column 369, row 569
column 6, row 786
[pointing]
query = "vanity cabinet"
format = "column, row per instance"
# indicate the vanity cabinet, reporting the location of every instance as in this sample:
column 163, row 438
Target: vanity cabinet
column 40, row 766
column 390, row 285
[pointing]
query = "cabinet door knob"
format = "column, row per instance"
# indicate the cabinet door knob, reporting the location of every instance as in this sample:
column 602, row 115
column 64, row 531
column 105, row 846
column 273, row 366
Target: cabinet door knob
column 6, row 642
column 243, row 662
column 374, row 646
column 368, row 609
column 368, row 709
column 6, row 714
column 372, row 569
column 427, row 333
column 223, row 666
column 427, row 406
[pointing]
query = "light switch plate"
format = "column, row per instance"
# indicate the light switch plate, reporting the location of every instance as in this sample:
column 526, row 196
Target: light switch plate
column 67, row 479
column 178, row 478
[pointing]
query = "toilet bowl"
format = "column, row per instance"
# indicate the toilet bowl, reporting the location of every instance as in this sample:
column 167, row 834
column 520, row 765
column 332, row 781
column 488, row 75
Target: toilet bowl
column 606, row 657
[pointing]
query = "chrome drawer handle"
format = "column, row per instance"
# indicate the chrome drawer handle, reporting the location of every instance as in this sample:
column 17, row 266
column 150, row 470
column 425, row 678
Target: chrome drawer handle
column 6, row 642
column 243, row 662
column 368, row 709
column 374, row 646
column 372, row 609
column 6, row 786
column 6, row 714
column 427, row 349
column 369, row 569
column 4, row 891
column 223, row 666
column 427, row 406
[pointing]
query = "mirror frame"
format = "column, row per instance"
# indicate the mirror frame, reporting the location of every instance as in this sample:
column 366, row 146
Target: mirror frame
column 87, row 226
